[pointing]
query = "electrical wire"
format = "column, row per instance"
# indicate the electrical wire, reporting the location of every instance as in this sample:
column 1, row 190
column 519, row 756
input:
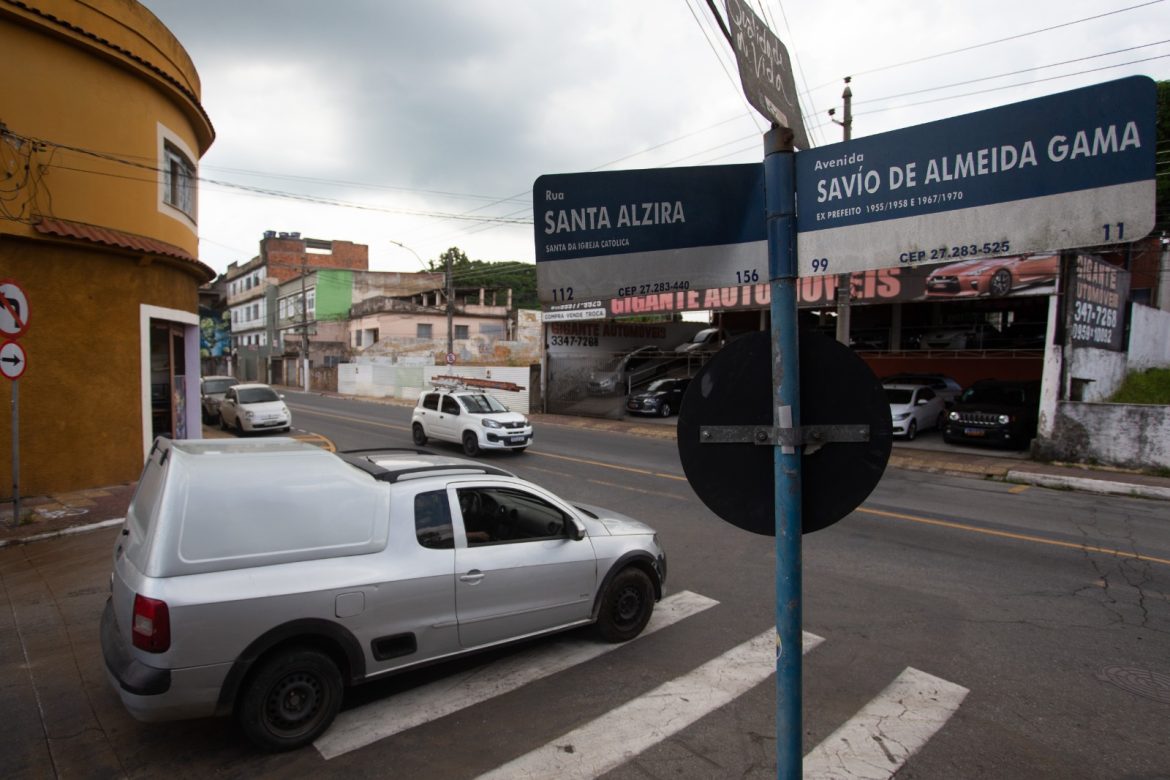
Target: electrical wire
column 974, row 46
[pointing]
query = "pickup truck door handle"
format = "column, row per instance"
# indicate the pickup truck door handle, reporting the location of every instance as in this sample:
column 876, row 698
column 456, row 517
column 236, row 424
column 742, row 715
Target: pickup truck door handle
column 472, row 577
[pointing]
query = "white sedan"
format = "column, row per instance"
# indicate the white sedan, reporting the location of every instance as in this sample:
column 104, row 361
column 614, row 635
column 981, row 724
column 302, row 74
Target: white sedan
column 254, row 407
column 914, row 408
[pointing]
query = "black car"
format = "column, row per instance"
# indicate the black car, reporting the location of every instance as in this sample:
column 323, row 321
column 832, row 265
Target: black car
column 995, row 412
column 661, row 397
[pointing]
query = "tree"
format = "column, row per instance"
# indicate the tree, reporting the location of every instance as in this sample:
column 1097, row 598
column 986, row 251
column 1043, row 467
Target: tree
column 517, row 276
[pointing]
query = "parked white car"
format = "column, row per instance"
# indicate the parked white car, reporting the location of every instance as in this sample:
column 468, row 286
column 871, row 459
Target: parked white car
column 914, row 408
column 254, row 407
column 333, row 569
column 943, row 386
column 472, row 418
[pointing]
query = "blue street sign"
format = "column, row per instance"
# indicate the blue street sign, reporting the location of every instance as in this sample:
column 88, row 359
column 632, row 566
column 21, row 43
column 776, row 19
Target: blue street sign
column 1059, row 172
column 621, row 233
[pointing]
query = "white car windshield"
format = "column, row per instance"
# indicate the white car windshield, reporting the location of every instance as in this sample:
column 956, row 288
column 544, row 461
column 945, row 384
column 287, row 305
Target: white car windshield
column 257, row 395
column 218, row 385
column 482, row 403
column 897, row 396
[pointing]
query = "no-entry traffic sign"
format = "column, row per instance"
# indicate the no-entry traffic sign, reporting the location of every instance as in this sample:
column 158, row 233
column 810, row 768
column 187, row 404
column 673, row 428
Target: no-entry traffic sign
column 13, row 309
column 1059, row 172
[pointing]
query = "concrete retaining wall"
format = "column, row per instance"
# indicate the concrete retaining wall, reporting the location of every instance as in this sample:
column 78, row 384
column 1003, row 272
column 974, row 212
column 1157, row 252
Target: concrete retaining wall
column 377, row 379
column 1149, row 338
column 1135, row 436
column 1094, row 374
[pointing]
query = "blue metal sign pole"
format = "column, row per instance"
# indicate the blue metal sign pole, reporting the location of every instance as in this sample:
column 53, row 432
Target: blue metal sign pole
column 780, row 199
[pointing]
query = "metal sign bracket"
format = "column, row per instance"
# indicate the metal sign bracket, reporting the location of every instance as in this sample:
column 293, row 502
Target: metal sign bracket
column 784, row 437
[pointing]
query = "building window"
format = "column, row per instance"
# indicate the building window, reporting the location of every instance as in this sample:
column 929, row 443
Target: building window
column 178, row 180
column 462, row 332
column 424, row 330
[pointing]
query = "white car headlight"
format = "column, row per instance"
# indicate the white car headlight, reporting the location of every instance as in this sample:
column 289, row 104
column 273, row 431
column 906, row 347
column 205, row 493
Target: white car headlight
column 1004, row 419
column 953, row 416
column 901, row 415
column 249, row 415
column 492, row 424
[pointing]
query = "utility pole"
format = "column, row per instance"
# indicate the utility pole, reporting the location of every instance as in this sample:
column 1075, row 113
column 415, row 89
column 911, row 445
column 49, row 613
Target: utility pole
column 304, row 324
column 450, row 308
column 844, row 282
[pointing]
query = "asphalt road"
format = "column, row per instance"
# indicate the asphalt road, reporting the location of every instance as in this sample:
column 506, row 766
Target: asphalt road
column 968, row 629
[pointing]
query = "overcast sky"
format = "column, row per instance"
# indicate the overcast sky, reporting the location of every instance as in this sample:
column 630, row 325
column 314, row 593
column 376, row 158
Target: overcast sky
column 426, row 123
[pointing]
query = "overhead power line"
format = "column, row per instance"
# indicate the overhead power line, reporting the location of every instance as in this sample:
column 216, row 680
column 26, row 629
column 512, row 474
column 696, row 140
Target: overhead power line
column 1015, row 37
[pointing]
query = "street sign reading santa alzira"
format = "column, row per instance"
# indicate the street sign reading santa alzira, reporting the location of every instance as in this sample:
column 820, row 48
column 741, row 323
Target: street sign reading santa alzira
column 1059, row 172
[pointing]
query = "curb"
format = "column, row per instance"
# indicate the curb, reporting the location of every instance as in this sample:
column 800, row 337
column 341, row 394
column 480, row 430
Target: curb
column 77, row 529
column 1089, row 485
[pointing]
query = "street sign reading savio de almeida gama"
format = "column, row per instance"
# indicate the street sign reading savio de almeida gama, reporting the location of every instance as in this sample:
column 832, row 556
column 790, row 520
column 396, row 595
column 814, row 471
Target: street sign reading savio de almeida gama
column 1060, row 172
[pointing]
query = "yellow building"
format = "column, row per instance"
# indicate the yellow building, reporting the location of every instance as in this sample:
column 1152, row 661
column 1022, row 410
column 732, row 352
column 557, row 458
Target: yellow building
column 101, row 131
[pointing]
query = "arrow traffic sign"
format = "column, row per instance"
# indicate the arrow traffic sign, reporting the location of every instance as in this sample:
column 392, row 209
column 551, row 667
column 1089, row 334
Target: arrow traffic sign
column 12, row 360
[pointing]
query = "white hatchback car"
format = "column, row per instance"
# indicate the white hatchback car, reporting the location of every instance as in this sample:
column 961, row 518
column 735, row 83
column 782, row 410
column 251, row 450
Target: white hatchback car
column 914, row 408
column 469, row 417
column 254, row 407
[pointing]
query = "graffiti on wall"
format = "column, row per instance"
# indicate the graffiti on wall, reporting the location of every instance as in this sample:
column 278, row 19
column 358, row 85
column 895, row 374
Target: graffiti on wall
column 215, row 333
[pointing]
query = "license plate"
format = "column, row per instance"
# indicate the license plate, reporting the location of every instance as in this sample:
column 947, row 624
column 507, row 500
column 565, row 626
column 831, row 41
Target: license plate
column 516, row 440
column 976, row 432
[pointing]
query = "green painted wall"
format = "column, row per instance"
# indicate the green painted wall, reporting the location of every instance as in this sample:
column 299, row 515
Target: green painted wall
column 334, row 294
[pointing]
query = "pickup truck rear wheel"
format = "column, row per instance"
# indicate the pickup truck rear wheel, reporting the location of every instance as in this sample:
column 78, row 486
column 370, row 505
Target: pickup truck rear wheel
column 290, row 700
column 626, row 605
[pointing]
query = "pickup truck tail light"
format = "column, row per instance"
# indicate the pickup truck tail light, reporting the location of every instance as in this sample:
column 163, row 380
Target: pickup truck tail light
column 152, row 625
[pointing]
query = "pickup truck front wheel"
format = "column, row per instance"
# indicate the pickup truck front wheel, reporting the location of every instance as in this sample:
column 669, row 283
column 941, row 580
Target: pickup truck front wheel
column 470, row 444
column 418, row 434
column 291, row 699
column 626, row 606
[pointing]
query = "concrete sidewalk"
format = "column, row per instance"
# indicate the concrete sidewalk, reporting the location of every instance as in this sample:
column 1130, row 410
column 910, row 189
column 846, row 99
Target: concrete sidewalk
column 73, row 512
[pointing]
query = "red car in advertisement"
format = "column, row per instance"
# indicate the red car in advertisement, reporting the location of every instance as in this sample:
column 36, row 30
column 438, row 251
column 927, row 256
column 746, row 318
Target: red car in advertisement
column 991, row 276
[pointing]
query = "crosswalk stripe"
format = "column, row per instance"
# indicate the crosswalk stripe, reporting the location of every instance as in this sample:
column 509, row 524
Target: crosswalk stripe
column 608, row 742
column 362, row 726
column 877, row 741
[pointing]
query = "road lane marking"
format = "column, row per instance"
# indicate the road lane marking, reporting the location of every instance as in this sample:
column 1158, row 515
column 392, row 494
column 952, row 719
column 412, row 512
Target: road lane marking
column 630, row 469
column 363, row 420
column 362, row 726
column 877, row 741
column 659, row 493
column 607, row 742
column 1018, row 489
column 1016, row 536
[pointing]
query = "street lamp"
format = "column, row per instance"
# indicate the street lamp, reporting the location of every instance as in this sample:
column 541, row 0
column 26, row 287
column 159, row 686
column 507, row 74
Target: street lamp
column 450, row 294
column 408, row 249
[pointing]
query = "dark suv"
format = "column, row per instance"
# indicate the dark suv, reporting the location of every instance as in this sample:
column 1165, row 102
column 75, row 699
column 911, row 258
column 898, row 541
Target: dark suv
column 995, row 412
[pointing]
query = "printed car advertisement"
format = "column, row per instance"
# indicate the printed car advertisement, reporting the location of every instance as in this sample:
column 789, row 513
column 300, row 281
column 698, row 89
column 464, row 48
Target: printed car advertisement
column 993, row 277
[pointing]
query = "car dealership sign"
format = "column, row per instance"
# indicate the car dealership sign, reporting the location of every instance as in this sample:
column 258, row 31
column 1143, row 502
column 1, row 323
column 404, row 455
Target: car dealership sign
column 1060, row 172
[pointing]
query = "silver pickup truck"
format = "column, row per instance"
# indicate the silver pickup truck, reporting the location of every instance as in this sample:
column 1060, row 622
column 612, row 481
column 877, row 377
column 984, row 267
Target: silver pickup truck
column 335, row 569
